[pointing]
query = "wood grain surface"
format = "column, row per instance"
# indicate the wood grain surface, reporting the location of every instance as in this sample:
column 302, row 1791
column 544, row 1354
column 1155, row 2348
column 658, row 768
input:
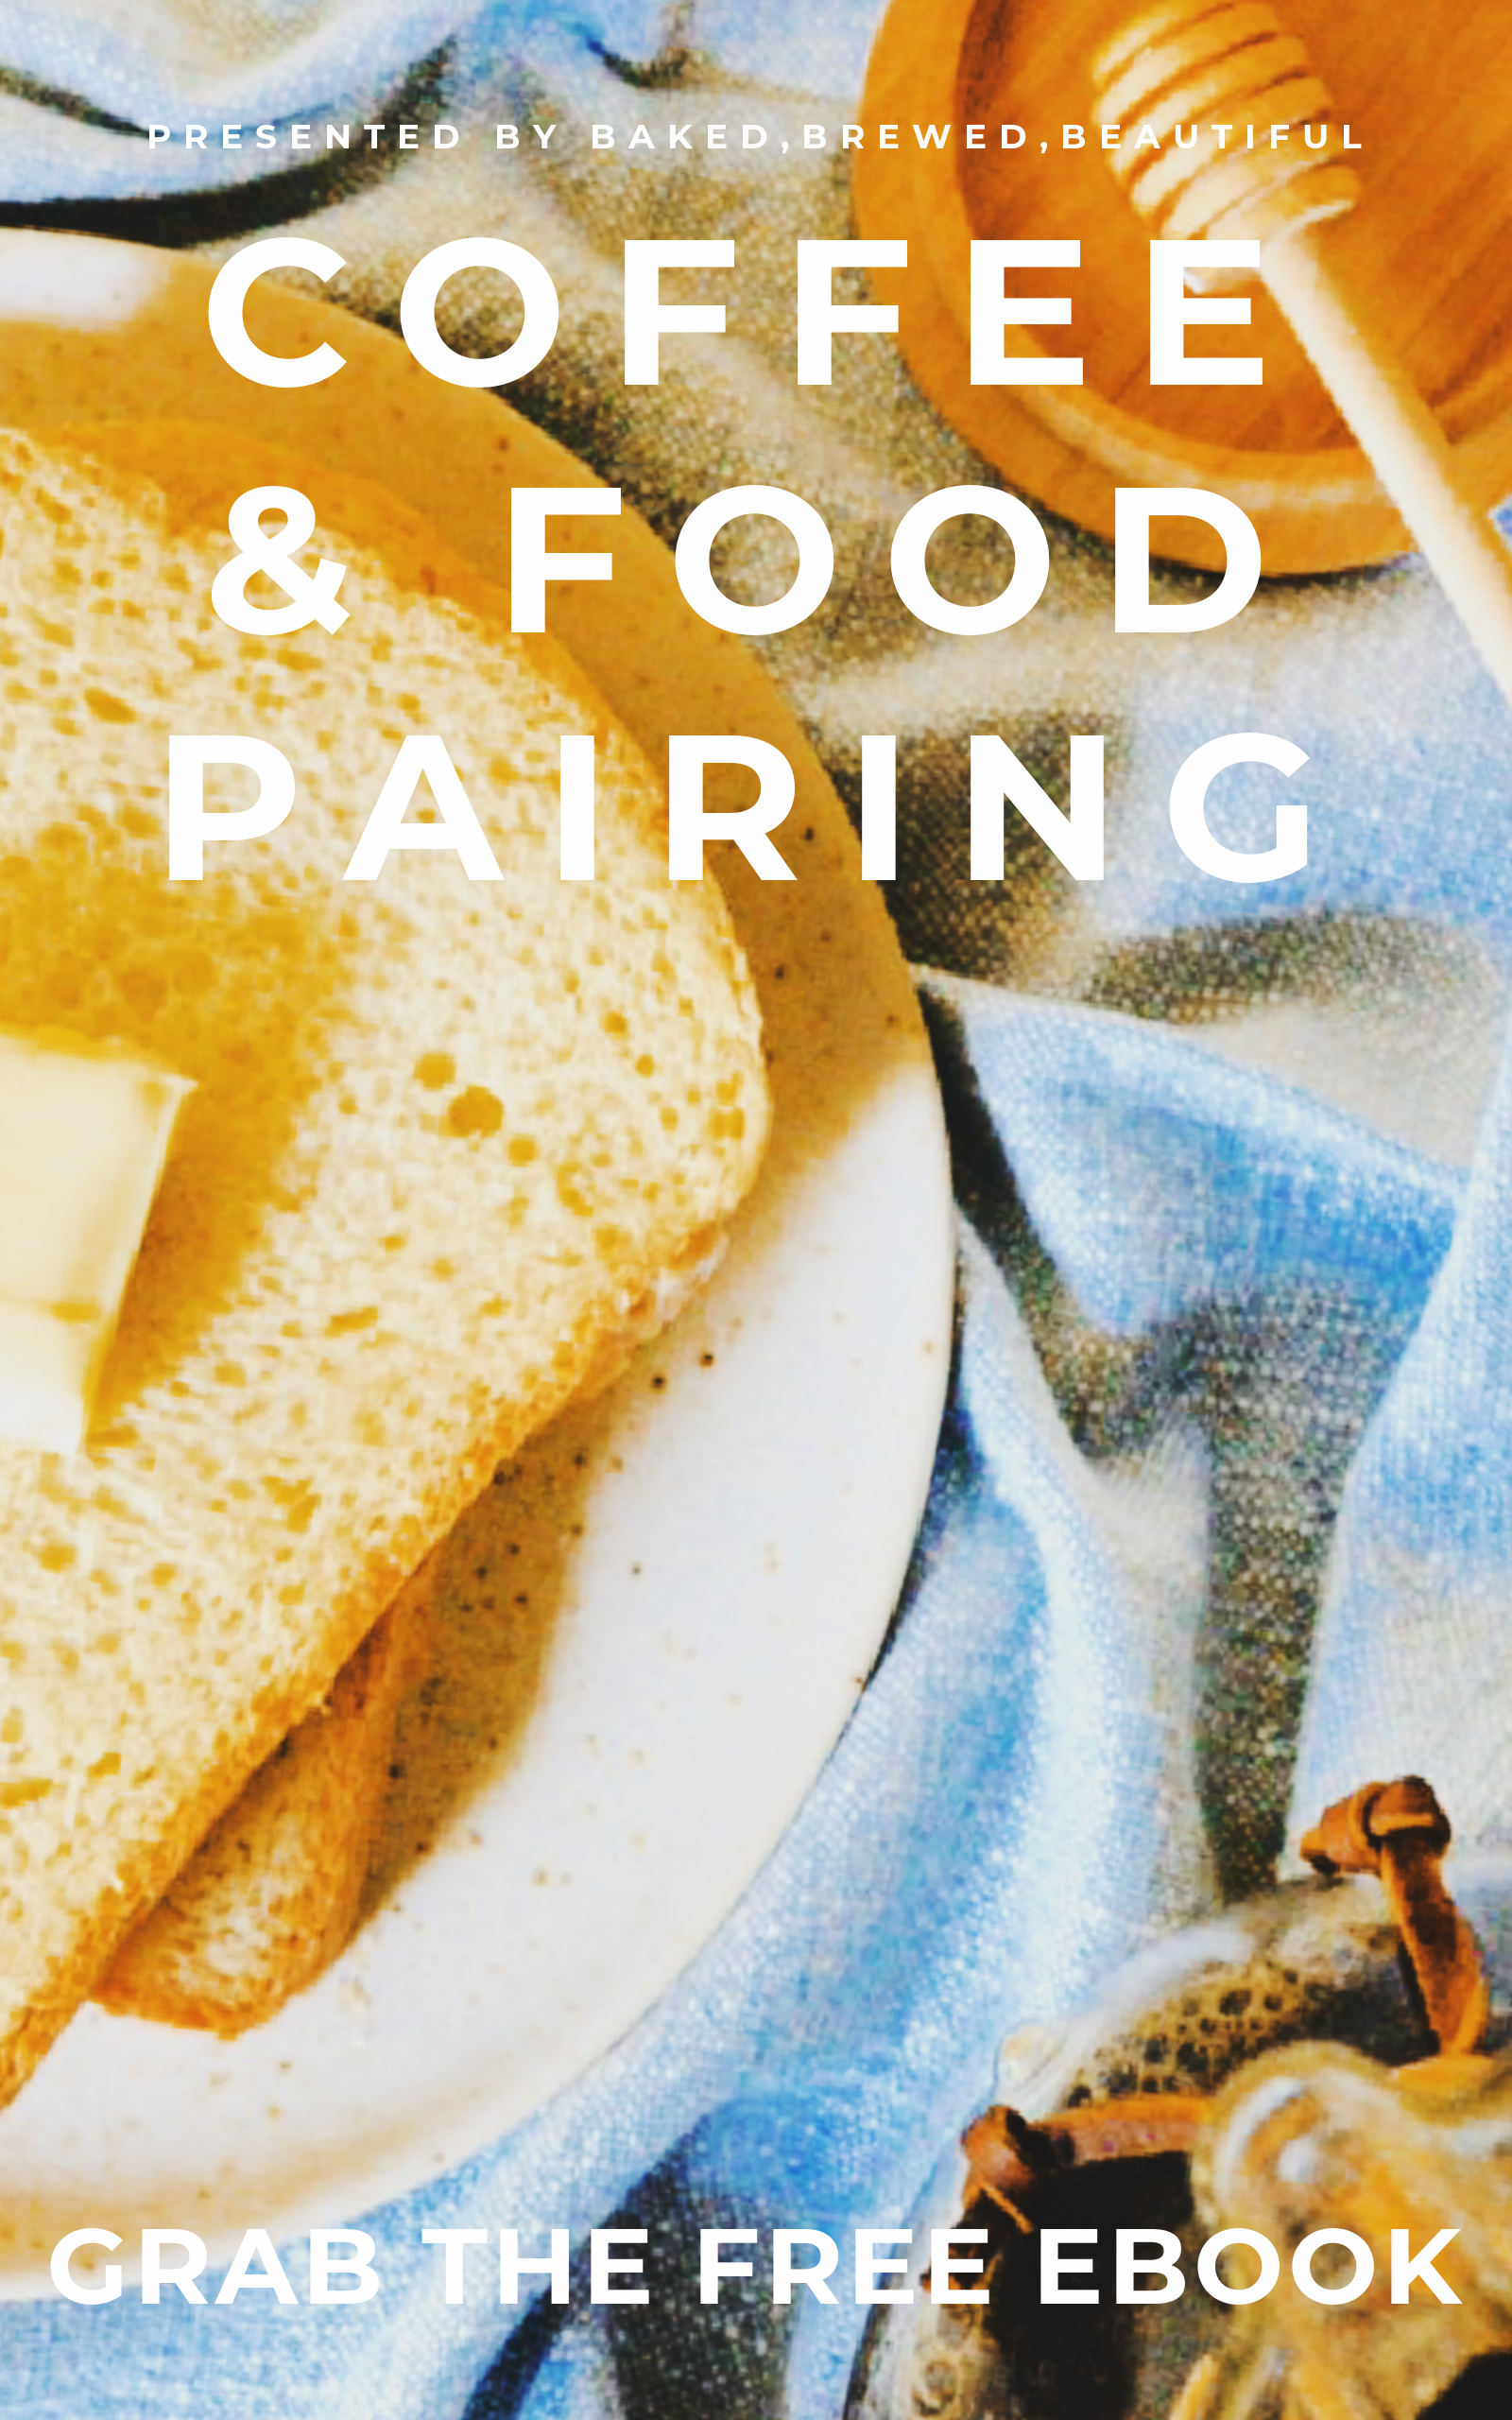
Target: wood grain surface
column 1425, row 94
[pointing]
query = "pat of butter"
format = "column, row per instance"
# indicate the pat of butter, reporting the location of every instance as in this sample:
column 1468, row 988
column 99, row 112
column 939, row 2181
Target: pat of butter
column 83, row 1136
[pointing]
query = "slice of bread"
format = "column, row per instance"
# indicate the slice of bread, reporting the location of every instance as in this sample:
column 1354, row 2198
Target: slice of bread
column 448, row 1139
column 271, row 1895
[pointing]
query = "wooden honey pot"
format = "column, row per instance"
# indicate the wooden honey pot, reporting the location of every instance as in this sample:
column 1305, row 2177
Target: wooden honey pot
column 1424, row 95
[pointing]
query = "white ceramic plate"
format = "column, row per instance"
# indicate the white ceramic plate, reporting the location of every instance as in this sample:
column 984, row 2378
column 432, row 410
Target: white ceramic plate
column 710, row 1556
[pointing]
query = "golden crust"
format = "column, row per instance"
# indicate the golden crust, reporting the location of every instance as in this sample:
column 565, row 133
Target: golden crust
column 426, row 1387
column 273, row 1892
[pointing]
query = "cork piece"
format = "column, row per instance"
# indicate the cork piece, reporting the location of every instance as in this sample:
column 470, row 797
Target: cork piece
column 1398, row 1831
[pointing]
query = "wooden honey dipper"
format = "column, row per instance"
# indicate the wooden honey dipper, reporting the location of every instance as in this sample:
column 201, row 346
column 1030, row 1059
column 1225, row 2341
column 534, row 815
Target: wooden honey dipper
column 1232, row 63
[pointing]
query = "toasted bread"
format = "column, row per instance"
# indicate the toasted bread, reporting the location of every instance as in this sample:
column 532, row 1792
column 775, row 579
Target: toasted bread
column 447, row 1140
column 271, row 1895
